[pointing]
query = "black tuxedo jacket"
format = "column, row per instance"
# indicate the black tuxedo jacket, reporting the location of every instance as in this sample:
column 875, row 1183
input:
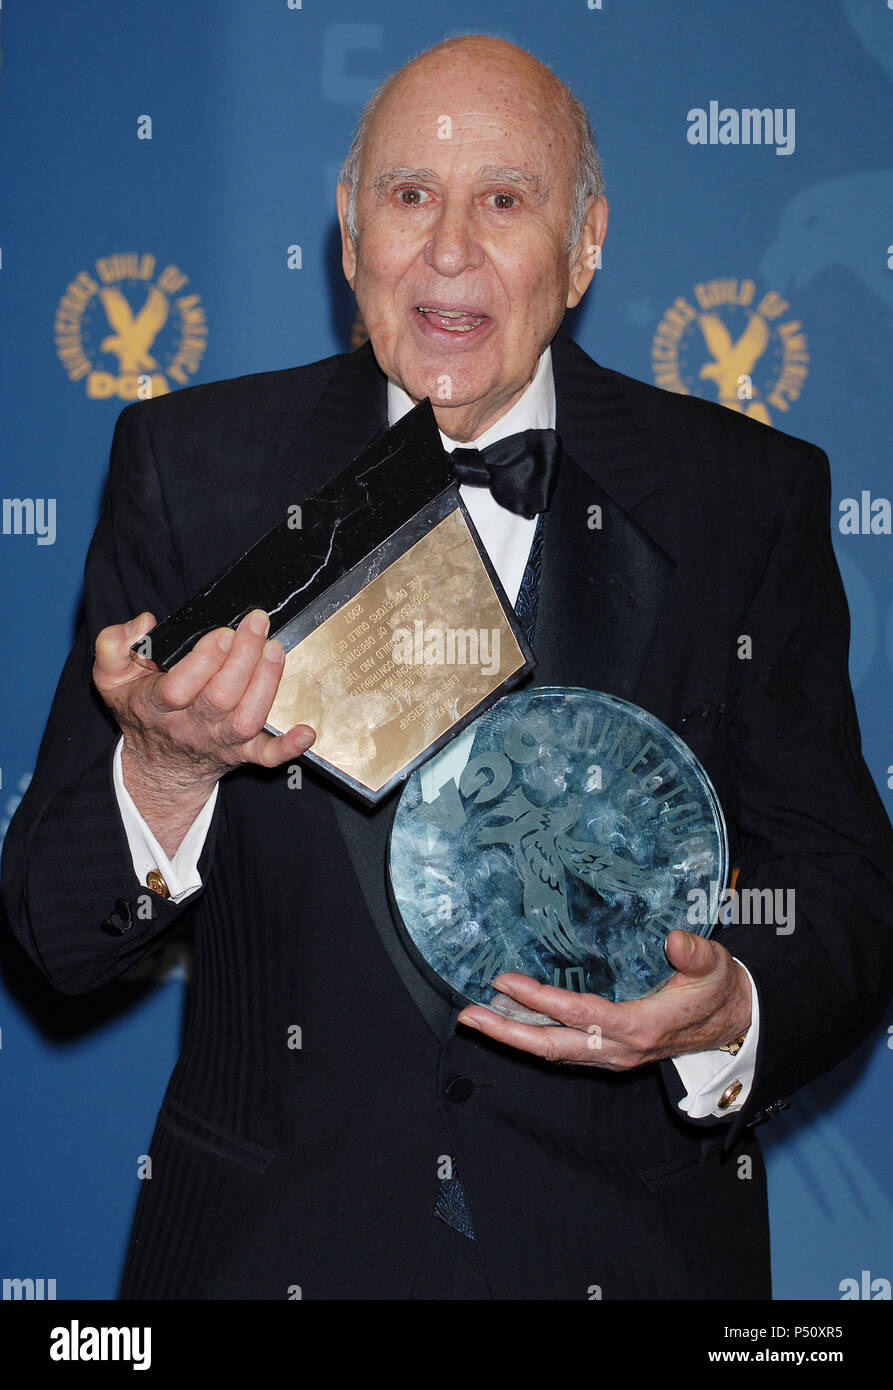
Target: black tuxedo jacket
column 318, row 1167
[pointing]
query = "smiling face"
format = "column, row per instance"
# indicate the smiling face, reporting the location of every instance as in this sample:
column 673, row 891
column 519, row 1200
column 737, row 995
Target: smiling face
column 461, row 268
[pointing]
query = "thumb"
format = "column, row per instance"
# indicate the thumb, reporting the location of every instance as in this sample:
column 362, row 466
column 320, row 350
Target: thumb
column 113, row 659
column 690, row 954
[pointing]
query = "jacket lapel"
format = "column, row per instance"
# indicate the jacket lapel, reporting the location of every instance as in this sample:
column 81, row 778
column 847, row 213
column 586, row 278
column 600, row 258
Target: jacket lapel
column 604, row 578
column 349, row 414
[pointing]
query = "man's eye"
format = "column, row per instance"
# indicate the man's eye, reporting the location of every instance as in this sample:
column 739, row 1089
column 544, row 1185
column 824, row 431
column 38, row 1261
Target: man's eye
column 503, row 201
column 411, row 197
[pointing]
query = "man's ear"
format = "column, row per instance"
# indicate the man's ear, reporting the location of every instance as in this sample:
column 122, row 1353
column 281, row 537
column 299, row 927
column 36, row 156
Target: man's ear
column 348, row 250
column 586, row 255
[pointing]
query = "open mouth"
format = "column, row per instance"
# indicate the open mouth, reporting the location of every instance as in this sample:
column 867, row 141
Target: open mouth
column 451, row 320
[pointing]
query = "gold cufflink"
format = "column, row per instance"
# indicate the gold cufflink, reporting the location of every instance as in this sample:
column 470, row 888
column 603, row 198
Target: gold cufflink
column 729, row 1094
column 155, row 881
column 735, row 1045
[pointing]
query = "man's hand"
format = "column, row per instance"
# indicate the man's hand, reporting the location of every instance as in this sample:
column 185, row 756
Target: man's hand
column 704, row 1005
column 185, row 728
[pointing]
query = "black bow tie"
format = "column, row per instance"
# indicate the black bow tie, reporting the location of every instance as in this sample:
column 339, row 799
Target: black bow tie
column 520, row 471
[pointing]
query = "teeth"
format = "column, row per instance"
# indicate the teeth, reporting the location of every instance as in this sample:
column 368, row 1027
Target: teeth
column 453, row 314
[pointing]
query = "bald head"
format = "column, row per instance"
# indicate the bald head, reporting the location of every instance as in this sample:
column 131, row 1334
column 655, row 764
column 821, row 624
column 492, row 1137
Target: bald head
column 524, row 79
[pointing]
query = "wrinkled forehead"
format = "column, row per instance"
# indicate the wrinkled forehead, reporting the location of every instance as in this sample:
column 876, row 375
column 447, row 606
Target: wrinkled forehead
column 464, row 114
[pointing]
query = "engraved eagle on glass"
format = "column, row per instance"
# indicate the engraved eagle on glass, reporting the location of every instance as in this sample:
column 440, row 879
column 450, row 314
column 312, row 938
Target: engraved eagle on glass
column 579, row 832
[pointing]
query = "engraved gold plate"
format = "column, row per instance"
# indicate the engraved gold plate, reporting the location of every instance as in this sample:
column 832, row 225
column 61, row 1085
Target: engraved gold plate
column 415, row 652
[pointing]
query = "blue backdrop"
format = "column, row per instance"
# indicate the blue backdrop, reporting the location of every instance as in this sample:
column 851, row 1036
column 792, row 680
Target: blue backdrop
column 169, row 176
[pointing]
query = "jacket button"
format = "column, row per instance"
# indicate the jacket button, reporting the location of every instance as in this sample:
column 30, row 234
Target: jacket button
column 120, row 921
column 459, row 1089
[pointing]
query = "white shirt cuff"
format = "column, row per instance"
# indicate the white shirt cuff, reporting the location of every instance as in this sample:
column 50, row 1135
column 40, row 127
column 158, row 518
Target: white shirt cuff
column 705, row 1075
column 180, row 873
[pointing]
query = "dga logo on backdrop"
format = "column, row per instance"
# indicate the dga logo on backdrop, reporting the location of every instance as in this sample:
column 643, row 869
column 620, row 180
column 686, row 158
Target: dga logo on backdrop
column 130, row 335
column 749, row 354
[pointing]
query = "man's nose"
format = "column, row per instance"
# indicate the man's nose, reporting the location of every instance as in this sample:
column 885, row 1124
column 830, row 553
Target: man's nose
column 453, row 246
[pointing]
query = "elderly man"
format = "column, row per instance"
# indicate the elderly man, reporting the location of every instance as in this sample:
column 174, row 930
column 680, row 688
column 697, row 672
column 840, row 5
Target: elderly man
column 404, row 1151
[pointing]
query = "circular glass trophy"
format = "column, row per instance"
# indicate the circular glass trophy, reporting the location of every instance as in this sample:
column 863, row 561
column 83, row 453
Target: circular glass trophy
column 579, row 832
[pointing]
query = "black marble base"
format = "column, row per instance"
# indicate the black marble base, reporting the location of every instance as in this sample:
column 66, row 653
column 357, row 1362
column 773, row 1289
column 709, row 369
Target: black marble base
column 292, row 566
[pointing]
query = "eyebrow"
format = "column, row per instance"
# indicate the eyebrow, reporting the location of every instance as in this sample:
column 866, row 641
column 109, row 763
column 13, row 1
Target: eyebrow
column 495, row 172
column 500, row 174
column 384, row 180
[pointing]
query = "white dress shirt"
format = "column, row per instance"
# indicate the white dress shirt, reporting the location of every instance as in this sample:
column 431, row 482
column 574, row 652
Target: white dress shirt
column 507, row 538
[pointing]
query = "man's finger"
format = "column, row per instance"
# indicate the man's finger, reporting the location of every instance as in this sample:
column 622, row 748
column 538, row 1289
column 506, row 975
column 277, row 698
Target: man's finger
column 250, row 714
column 573, row 1010
column 226, row 688
column 113, row 659
column 554, row 1044
column 271, row 750
column 180, row 686
column 691, row 955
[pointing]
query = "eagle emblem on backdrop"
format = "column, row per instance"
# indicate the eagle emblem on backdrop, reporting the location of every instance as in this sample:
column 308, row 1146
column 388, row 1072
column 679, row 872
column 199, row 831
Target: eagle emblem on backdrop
column 731, row 342
column 128, row 332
